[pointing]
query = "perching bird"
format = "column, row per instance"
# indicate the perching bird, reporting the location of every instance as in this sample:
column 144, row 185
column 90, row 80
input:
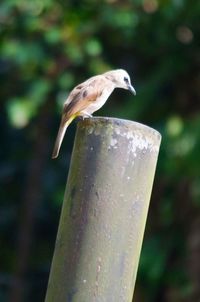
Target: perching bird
column 90, row 96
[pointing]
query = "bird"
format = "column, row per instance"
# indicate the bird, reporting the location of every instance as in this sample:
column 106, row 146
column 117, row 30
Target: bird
column 88, row 97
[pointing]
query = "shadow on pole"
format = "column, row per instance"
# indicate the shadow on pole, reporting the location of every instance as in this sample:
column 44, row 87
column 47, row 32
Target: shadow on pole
column 104, row 212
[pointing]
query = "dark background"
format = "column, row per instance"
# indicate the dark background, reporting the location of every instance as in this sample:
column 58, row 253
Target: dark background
column 46, row 48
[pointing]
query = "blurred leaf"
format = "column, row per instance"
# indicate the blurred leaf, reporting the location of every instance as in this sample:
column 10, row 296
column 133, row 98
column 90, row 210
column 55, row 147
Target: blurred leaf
column 93, row 47
column 19, row 112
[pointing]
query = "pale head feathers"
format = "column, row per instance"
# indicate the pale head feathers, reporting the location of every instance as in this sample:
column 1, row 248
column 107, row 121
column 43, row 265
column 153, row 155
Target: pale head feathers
column 120, row 78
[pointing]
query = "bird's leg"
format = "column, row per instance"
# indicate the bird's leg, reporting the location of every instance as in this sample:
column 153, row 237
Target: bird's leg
column 87, row 115
column 84, row 115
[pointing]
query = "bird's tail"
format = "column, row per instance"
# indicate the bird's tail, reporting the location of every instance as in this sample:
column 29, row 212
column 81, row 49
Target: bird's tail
column 60, row 135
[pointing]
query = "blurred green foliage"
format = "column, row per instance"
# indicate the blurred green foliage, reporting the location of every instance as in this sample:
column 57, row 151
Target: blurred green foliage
column 46, row 48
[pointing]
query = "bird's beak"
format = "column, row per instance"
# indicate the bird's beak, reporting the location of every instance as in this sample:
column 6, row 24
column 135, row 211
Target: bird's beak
column 132, row 89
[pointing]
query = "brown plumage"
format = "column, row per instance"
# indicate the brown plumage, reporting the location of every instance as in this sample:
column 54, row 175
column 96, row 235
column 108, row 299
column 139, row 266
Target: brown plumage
column 88, row 97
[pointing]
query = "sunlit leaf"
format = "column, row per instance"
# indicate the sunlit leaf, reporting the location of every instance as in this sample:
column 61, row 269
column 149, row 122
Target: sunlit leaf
column 19, row 112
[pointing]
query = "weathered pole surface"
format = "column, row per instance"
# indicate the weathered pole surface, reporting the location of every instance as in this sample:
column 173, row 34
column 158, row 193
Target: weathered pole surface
column 104, row 212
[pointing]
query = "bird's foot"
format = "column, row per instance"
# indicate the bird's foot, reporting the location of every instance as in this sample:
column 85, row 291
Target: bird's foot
column 85, row 115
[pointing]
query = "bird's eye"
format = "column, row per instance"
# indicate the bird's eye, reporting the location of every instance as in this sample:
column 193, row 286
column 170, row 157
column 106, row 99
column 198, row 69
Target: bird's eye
column 125, row 79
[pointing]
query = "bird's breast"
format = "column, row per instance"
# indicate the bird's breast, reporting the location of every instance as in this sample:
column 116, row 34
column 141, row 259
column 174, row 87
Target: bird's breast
column 100, row 101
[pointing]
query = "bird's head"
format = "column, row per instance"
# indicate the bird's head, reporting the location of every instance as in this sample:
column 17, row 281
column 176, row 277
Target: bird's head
column 121, row 79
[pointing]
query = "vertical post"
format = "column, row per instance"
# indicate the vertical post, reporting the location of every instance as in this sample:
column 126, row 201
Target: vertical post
column 104, row 212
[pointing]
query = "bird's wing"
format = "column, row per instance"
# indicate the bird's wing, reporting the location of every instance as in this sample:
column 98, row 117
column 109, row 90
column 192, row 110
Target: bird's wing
column 83, row 95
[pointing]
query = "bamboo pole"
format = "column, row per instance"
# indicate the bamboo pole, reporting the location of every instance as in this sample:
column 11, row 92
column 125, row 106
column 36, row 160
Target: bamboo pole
column 104, row 212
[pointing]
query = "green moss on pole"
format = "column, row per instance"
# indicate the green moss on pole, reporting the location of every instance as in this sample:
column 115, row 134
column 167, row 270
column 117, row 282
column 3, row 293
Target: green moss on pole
column 104, row 212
